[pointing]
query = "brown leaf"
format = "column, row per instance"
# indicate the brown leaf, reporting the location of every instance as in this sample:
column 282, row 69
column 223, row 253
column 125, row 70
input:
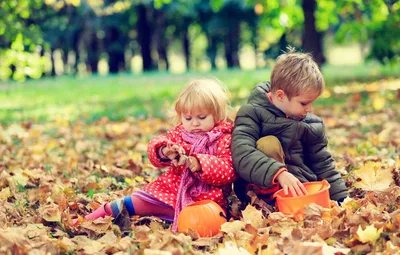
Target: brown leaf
column 253, row 216
column 50, row 213
column 233, row 226
column 99, row 226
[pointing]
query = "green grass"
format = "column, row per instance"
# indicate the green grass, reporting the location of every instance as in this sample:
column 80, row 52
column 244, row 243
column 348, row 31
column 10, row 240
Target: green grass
column 117, row 97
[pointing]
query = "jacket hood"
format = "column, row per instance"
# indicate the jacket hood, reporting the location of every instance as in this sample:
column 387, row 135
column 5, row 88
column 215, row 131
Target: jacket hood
column 259, row 97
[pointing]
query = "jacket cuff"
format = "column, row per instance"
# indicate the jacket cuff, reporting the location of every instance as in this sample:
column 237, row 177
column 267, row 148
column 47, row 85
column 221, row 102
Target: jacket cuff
column 280, row 170
column 161, row 155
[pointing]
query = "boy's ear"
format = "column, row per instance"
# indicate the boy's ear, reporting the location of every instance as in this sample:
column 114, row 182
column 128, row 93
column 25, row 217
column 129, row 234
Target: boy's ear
column 280, row 94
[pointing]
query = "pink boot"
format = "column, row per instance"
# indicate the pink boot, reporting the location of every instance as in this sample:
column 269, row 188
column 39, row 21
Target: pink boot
column 98, row 213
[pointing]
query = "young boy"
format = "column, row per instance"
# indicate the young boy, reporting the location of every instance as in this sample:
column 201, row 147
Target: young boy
column 277, row 142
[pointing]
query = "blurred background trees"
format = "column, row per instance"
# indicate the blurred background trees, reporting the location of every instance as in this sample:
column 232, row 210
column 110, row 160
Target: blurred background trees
column 54, row 37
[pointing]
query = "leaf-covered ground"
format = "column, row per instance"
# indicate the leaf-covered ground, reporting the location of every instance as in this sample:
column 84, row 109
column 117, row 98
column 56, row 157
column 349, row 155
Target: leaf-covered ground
column 53, row 172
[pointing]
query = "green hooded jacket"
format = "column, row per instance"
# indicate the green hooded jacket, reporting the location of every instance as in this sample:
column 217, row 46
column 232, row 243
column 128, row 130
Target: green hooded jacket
column 303, row 141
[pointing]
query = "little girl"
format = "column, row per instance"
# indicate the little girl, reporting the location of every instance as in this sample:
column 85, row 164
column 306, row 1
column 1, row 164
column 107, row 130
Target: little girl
column 197, row 152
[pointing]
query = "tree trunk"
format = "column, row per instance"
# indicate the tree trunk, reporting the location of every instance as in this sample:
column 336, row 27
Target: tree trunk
column 116, row 61
column 75, row 45
column 232, row 46
column 42, row 53
column 53, row 66
column 283, row 44
column 160, row 38
column 93, row 53
column 186, row 47
column 144, row 34
column 254, row 42
column 312, row 39
column 212, row 51
column 65, row 60
column 116, row 51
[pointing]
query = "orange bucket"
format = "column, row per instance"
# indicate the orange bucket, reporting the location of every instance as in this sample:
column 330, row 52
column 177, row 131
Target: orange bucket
column 318, row 193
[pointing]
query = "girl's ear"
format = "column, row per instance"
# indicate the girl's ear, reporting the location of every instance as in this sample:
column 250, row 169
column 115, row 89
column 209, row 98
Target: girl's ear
column 280, row 94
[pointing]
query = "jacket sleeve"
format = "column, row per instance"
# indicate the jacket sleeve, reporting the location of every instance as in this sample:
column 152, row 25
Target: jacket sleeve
column 155, row 144
column 250, row 163
column 217, row 169
column 320, row 161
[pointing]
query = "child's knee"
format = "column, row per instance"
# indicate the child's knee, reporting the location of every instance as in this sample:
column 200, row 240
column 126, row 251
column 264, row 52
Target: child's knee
column 272, row 147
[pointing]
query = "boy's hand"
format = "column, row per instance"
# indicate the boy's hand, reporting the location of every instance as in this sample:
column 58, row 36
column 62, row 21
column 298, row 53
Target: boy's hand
column 289, row 182
column 193, row 164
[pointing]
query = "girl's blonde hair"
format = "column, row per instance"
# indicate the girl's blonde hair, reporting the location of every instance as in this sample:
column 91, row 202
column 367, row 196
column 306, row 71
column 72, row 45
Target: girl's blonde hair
column 296, row 72
column 203, row 94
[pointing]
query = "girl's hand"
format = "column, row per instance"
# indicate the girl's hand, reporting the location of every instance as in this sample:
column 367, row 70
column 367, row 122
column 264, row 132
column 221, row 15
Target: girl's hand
column 180, row 161
column 289, row 182
column 193, row 164
column 172, row 151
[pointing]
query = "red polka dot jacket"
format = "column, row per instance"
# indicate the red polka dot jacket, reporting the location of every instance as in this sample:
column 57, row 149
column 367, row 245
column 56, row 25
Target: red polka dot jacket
column 216, row 170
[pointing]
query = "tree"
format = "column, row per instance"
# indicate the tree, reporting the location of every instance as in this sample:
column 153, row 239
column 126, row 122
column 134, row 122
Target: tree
column 19, row 37
column 312, row 39
column 371, row 22
column 277, row 24
column 180, row 16
column 144, row 34
column 221, row 22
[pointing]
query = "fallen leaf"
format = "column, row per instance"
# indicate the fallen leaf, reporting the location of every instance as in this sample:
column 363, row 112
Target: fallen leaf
column 378, row 102
column 5, row 193
column 230, row 248
column 253, row 216
column 100, row 225
column 50, row 213
column 374, row 176
column 369, row 234
column 232, row 227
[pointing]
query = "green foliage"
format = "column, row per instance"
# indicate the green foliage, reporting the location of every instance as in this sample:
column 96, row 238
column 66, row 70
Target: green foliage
column 30, row 28
column 14, row 19
column 216, row 5
column 23, row 62
column 375, row 21
column 324, row 15
column 18, row 38
column 280, row 15
column 90, row 193
column 360, row 19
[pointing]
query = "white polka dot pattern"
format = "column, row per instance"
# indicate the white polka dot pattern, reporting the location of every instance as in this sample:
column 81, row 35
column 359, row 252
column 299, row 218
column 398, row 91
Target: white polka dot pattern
column 217, row 170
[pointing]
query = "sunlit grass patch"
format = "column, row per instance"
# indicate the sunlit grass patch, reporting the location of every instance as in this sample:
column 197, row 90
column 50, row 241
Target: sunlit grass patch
column 151, row 94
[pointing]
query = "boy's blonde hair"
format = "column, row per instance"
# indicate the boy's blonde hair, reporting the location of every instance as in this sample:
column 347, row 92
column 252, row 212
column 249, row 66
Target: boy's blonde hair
column 203, row 94
column 296, row 72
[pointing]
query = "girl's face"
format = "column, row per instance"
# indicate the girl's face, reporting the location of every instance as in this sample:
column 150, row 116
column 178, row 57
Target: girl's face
column 198, row 121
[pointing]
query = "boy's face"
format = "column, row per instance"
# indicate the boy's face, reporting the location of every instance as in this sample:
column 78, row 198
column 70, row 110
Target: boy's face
column 297, row 107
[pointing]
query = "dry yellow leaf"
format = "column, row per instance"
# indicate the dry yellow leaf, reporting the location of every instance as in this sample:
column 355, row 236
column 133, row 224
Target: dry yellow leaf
column 369, row 234
column 5, row 194
column 233, row 227
column 378, row 102
column 230, row 248
column 87, row 245
column 137, row 157
column 20, row 178
column 374, row 177
column 100, row 225
column 156, row 252
column 253, row 216
column 50, row 213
